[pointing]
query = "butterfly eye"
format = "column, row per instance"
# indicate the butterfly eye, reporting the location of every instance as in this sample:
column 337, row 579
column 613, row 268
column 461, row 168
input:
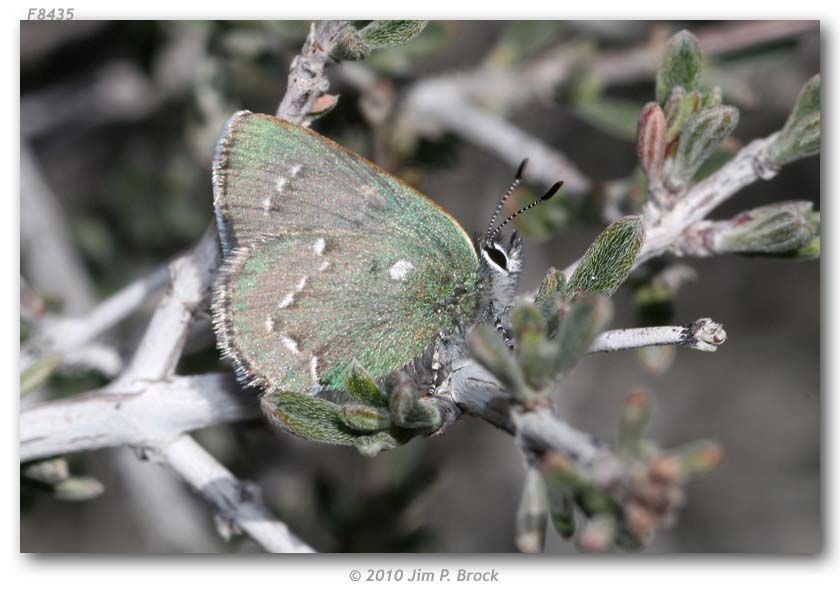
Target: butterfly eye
column 497, row 256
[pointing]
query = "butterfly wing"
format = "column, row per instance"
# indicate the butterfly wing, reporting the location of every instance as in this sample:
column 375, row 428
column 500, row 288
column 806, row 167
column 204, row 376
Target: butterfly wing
column 328, row 259
column 271, row 177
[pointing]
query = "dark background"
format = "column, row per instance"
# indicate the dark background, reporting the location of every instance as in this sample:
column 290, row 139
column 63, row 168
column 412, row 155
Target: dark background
column 122, row 118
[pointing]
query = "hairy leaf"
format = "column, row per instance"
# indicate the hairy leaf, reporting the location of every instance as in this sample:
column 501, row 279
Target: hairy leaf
column 578, row 329
column 650, row 140
column 682, row 65
column 701, row 135
column 364, row 418
column 779, row 228
column 358, row 44
column 610, row 258
column 800, row 136
column 362, row 387
column 532, row 514
column 488, row 348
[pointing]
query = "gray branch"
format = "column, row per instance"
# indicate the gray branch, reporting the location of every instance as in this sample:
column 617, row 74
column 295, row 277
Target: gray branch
column 149, row 413
column 307, row 75
column 703, row 334
column 237, row 502
column 444, row 103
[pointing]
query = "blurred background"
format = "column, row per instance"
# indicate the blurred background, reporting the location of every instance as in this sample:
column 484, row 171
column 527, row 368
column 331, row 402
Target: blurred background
column 118, row 125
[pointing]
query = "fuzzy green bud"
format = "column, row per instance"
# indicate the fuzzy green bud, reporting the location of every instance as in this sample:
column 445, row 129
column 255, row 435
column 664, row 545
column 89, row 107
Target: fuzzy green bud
column 488, row 348
column 682, row 65
column 778, row 229
column 702, row 134
column 800, row 136
column 578, row 329
column 358, row 44
column 363, row 389
column 650, row 140
column 610, row 258
column 532, row 514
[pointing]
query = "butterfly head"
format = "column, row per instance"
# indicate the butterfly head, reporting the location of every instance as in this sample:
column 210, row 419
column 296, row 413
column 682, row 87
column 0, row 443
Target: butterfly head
column 501, row 261
column 501, row 264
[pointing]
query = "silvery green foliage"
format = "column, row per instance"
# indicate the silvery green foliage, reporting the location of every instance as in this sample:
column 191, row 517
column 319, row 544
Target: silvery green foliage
column 609, row 260
column 697, row 122
column 627, row 510
column 357, row 44
column 681, row 105
column 682, row 66
column 380, row 34
column 800, row 136
column 532, row 514
column 782, row 228
column 541, row 356
column 695, row 118
column 702, row 134
column 371, row 420
column 323, row 421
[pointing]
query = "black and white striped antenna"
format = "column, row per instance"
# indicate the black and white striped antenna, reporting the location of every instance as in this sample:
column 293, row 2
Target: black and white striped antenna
column 547, row 196
column 516, row 181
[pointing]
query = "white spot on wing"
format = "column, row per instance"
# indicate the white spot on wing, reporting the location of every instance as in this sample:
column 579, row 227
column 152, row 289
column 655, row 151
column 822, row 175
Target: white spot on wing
column 290, row 344
column 400, row 269
column 281, row 183
column 287, row 300
column 313, row 368
column 295, row 170
column 266, row 204
column 320, row 245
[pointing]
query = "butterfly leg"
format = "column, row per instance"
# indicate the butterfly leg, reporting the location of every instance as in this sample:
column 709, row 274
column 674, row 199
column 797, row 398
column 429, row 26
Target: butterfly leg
column 435, row 365
column 503, row 331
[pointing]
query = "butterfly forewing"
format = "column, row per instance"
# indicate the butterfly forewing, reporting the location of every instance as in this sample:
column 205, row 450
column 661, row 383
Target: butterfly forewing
column 328, row 259
column 272, row 177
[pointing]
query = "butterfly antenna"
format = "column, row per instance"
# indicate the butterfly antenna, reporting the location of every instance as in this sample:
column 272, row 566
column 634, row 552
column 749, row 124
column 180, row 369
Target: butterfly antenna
column 516, row 181
column 547, row 196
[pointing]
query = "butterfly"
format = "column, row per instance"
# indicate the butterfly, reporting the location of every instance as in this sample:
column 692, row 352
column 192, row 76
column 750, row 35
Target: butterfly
column 336, row 274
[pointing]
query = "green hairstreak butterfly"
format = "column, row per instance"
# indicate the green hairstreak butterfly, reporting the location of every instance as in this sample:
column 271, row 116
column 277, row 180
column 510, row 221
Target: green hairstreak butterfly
column 330, row 263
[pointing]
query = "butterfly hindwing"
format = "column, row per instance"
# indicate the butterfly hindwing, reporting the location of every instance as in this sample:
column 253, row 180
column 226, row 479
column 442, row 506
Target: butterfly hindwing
column 328, row 259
